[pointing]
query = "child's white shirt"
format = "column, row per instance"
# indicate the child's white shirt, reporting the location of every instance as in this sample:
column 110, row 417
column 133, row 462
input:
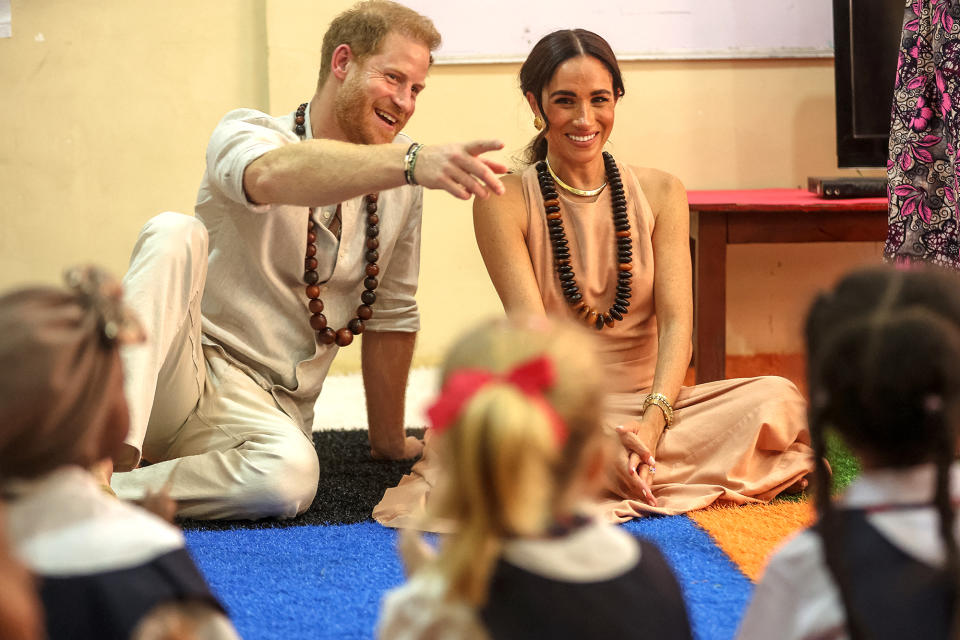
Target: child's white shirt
column 797, row 598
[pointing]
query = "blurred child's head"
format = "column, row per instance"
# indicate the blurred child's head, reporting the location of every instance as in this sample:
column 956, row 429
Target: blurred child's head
column 884, row 364
column 61, row 383
column 518, row 428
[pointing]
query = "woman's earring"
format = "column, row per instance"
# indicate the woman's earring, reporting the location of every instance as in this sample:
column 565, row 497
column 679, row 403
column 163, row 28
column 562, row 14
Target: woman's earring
column 538, row 122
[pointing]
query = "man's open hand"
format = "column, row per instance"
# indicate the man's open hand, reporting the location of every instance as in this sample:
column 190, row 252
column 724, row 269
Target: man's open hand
column 412, row 447
column 459, row 169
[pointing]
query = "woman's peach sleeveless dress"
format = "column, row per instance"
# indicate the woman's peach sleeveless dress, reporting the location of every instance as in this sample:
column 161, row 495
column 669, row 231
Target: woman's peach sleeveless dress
column 734, row 441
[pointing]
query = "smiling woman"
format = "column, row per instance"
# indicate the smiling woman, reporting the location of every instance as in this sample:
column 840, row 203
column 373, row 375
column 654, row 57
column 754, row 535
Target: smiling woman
column 578, row 114
column 572, row 88
column 579, row 235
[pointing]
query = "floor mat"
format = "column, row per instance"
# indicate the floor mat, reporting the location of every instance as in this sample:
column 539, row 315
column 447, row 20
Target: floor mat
column 351, row 484
column 323, row 574
column 327, row 581
column 750, row 533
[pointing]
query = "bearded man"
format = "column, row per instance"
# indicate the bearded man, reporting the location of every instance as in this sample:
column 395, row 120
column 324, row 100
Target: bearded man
column 307, row 233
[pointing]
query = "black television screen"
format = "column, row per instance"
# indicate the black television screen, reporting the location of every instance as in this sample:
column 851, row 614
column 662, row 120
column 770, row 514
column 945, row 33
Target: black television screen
column 866, row 36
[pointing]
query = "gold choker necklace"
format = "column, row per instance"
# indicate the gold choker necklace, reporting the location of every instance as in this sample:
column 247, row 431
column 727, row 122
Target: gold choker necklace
column 587, row 193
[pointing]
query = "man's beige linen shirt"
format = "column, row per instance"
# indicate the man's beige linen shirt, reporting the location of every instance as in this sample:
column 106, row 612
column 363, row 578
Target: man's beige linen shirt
column 254, row 303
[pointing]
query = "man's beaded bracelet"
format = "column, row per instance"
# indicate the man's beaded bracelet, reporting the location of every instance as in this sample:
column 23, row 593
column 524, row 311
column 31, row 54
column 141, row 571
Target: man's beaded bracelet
column 410, row 162
column 662, row 403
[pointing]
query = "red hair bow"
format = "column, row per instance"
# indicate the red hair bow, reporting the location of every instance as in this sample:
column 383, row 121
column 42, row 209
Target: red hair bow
column 532, row 378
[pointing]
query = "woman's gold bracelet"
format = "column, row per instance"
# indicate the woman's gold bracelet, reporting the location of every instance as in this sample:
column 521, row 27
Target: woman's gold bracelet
column 662, row 403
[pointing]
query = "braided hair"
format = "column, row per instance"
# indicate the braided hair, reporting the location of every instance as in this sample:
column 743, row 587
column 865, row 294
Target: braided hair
column 884, row 374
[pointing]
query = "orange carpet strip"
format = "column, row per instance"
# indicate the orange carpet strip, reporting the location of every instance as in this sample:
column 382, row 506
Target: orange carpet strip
column 750, row 533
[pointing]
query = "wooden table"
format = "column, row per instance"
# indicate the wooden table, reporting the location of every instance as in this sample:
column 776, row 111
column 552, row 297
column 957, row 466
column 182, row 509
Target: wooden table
column 721, row 218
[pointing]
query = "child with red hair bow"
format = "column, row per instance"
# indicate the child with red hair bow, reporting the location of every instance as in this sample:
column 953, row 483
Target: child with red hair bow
column 517, row 425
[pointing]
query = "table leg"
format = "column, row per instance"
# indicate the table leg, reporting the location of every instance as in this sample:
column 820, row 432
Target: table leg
column 710, row 299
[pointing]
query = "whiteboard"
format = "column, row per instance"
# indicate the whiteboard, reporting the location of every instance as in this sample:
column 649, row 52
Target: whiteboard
column 487, row 31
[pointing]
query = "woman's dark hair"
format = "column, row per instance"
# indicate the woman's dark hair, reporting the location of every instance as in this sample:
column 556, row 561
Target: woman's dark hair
column 884, row 372
column 553, row 50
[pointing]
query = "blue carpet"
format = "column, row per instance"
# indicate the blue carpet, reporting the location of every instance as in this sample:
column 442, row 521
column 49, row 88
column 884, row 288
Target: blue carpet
column 319, row 581
column 715, row 589
column 300, row 582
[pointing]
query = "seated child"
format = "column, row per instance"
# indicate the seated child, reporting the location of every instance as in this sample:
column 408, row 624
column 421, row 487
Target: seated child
column 517, row 423
column 102, row 564
column 882, row 562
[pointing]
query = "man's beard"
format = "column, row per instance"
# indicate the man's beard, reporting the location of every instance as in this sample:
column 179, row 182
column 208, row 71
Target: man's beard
column 352, row 110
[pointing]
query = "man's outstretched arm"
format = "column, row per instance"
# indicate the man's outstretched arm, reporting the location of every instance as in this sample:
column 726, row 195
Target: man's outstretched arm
column 317, row 173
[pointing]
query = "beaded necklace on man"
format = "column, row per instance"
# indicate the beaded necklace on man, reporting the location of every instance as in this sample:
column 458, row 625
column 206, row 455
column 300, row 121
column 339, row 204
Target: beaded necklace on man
column 325, row 334
column 561, row 249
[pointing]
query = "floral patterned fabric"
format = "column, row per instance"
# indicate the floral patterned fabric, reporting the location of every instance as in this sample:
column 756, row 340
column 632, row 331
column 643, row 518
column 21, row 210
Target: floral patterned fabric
column 924, row 129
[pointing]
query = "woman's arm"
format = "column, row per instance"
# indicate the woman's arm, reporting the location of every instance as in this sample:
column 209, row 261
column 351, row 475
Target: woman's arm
column 672, row 283
column 672, row 293
column 500, row 224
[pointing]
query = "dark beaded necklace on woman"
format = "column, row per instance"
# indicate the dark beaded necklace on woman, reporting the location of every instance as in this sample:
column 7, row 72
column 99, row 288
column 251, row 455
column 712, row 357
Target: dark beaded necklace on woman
column 561, row 249
column 325, row 334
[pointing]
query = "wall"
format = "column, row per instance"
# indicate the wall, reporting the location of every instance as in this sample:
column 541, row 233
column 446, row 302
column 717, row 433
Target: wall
column 107, row 108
